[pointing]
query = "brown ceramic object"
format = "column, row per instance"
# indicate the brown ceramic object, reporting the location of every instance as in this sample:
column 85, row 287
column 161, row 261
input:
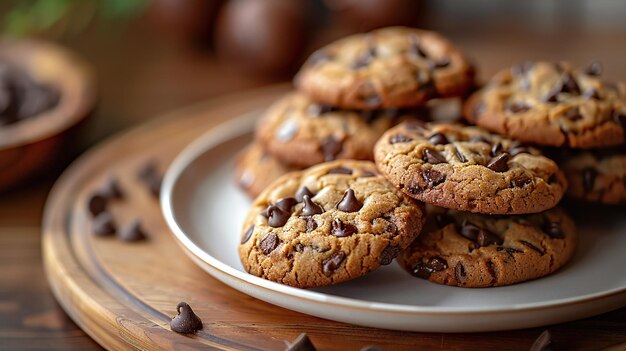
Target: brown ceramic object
column 31, row 145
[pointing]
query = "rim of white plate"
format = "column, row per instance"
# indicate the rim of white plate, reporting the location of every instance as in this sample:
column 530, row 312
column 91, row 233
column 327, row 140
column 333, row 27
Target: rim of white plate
column 241, row 125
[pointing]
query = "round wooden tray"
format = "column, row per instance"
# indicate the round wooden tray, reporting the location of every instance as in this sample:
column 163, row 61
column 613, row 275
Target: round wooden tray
column 124, row 294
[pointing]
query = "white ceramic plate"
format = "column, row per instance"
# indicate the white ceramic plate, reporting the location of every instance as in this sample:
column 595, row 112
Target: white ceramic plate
column 205, row 209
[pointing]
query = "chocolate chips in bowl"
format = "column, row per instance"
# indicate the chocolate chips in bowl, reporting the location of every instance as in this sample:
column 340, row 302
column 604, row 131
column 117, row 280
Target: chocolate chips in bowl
column 45, row 91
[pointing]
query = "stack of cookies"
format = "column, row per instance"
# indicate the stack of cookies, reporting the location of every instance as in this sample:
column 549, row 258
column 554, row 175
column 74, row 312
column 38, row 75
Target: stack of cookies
column 558, row 106
column 347, row 95
column 491, row 193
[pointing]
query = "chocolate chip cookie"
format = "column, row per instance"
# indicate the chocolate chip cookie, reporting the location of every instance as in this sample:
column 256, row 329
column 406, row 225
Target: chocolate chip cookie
column 256, row 169
column 301, row 133
column 476, row 251
column 389, row 67
column 552, row 104
column 327, row 224
column 596, row 176
column 468, row 169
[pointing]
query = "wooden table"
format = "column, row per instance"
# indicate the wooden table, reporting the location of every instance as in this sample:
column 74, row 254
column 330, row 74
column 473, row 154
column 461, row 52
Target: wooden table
column 141, row 77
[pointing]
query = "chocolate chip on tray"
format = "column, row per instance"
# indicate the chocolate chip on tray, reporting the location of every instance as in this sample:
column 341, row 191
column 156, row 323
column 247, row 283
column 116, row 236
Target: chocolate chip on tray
column 186, row 321
column 302, row 343
column 104, row 225
column 133, row 232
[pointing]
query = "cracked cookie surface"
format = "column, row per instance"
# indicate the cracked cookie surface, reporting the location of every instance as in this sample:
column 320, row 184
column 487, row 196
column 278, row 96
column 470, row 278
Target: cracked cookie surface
column 302, row 133
column 327, row 224
column 256, row 169
column 552, row 104
column 596, row 176
column 475, row 251
column 389, row 67
column 468, row 169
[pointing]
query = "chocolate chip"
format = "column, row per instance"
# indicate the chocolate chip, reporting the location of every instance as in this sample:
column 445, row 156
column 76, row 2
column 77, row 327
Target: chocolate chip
column 589, row 178
column 112, row 189
column 371, row 348
column 531, row 246
column 424, row 270
column 420, row 270
column 97, row 204
column 469, row 231
column 517, row 107
column 594, row 69
column 104, row 225
column 554, row 230
column 442, row 62
column 460, row 155
column 570, row 85
column 287, row 130
column 286, row 203
column 349, row 202
column 591, row 93
column 442, row 220
column 276, row 216
column 331, row 147
column 311, row 224
column 438, row 139
column 433, row 156
column 486, row 238
column 553, row 94
column 247, row 235
column 509, row 250
column 340, row 170
column 368, row 174
column 496, row 149
column 543, row 342
column 520, row 181
column 148, row 171
column 302, row 343
column 573, row 114
column 459, row 273
column 186, row 321
column 341, row 230
column 399, row 138
column 620, row 118
column 433, row 177
column 437, row 264
column 499, row 163
column 317, row 110
column 269, row 243
column 372, row 100
column 332, row 263
column 132, row 232
column 365, row 58
column 310, row 208
column 415, row 48
column 303, row 191
column 388, row 254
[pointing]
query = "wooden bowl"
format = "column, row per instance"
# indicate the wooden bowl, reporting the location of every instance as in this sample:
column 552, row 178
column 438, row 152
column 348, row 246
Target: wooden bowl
column 30, row 146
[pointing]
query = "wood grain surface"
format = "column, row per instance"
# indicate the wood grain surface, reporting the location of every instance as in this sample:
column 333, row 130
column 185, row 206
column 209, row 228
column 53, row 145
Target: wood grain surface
column 124, row 294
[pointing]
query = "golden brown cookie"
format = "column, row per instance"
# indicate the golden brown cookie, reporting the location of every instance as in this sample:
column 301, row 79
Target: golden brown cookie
column 302, row 133
column 475, row 251
column 552, row 104
column 255, row 169
column 468, row 169
column 386, row 68
column 327, row 224
column 596, row 176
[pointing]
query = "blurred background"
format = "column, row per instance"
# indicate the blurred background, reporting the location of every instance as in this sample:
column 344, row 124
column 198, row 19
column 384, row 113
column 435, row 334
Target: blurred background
column 154, row 55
